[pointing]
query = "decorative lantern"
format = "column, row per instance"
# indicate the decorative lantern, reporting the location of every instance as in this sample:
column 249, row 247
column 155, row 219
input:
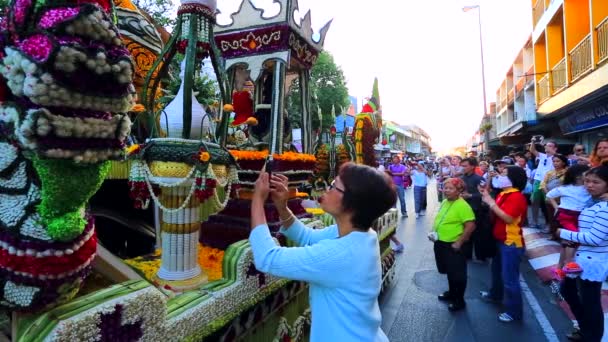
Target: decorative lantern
column 384, row 142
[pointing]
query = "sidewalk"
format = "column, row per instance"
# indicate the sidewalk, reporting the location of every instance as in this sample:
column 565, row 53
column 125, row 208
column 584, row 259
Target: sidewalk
column 543, row 255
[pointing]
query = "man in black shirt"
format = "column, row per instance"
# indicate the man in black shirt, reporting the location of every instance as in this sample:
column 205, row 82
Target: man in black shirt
column 482, row 239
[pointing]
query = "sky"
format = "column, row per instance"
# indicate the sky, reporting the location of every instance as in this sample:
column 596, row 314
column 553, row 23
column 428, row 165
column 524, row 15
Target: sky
column 425, row 53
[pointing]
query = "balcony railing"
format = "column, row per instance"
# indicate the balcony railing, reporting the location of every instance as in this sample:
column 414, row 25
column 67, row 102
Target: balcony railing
column 559, row 76
column 539, row 9
column 530, row 74
column 581, row 60
column 510, row 96
column 519, row 86
column 602, row 41
column 544, row 90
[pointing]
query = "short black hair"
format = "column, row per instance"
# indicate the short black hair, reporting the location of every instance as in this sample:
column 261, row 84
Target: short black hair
column 517, row 176
column 368, row 193
column 573, row 173
column 562, row 158
column 471, row 160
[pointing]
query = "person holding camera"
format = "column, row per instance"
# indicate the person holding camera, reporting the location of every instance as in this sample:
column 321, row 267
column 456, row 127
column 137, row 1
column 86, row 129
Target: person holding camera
column 545, row 164
column 341, row 262
column 508, row 211
column 453, row 226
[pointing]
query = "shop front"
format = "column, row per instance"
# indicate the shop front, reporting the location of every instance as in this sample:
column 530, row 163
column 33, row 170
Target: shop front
column 588, row 123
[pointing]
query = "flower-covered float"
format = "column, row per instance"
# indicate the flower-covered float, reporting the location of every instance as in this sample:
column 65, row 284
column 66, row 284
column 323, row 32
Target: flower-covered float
column 200, row 284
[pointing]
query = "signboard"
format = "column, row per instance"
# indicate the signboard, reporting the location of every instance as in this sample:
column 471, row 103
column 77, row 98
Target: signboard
column 585, row 118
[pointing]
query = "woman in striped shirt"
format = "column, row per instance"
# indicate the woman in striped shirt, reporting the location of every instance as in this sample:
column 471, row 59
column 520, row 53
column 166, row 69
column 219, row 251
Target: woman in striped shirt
column 592, row 256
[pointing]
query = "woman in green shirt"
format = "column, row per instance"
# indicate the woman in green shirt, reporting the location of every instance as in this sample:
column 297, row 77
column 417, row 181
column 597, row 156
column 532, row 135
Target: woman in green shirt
column 453, row 226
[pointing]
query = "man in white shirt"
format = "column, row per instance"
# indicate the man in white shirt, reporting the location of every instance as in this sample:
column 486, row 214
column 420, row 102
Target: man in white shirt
column 545, row 164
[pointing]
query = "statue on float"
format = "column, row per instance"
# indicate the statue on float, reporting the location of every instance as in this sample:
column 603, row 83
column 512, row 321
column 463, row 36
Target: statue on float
column 68, row 84
column 368, row 125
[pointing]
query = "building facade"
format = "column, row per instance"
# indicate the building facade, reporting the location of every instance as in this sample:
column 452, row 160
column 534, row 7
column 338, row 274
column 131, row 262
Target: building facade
column 570, row 41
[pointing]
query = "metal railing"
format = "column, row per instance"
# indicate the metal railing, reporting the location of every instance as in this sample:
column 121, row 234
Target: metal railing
column 543, row 89
column 581, row 60
column 559, row 76
column 602, row 41
column 539, row 9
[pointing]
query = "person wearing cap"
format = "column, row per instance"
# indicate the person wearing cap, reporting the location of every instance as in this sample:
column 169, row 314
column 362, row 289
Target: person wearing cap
column 545, row 164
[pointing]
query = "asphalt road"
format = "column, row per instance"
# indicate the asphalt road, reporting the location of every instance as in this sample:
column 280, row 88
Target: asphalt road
column 411, row 311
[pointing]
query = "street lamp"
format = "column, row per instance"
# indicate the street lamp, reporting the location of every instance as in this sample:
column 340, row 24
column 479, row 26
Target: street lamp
column 483, row 71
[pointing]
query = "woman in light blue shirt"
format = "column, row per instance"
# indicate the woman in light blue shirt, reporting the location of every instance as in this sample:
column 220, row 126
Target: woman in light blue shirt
column 341, row 262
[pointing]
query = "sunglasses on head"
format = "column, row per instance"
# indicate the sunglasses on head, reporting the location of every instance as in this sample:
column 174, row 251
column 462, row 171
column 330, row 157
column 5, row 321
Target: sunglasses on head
column 580, row 150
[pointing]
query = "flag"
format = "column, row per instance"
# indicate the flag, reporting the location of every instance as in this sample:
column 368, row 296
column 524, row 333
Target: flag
column 468, row 8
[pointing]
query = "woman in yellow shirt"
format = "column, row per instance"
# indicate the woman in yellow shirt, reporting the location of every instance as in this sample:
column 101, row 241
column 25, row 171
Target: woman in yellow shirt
column 453, row 226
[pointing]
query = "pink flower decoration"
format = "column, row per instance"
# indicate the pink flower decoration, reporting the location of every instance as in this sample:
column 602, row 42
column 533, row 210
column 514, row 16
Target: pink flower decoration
column 37, row 46
column 56, row 15
column 21, row 8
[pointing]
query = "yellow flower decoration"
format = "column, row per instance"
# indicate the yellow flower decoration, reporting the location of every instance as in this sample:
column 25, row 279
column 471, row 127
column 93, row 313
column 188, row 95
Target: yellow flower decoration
column 132, row 149
column 204, row 157
column 138, row 108
column 228, row 108
column 251, row 121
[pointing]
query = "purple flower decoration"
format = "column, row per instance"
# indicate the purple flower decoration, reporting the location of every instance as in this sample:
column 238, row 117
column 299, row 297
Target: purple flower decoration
column 21, row 9
column 37, row 46
column 112, row 329
column 56, row 15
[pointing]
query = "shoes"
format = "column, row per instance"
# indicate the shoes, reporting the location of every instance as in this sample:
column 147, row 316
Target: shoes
column 555, row 289
column 422, row 213
column 457, row 305
column 575, row 335
column 399, row 248
column 404, row 214
column 505, row 318
column 545, row 230
column 485, row 296
column 445, row 297
column 417, row 215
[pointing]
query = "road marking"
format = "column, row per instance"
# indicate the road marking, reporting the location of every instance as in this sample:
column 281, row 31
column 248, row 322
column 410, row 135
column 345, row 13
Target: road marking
column 544, row 261
column 538, row 311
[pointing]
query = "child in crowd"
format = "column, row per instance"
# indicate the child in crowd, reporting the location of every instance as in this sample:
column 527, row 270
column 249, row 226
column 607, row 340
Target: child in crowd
column 573, row 197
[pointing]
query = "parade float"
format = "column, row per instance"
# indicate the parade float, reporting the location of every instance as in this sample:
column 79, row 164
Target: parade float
column 188, row 168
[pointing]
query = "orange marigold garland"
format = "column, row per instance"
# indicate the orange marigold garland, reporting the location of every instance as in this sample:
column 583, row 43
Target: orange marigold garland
column 210, row 260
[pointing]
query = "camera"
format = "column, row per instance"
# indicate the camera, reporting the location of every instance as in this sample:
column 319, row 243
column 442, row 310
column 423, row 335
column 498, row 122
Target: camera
column 537, row 139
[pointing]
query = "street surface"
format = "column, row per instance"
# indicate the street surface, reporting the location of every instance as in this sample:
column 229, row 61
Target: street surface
column 411, row 311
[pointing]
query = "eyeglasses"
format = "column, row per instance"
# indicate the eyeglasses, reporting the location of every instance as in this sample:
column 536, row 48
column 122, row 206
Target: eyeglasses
column 333, row 186
column 580, row 150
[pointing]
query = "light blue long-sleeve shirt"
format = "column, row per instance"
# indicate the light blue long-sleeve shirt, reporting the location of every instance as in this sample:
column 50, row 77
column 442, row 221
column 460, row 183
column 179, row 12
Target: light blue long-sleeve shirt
column 344, row 274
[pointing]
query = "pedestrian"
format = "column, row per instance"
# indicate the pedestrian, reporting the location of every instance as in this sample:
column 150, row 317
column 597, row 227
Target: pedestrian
column 583, row 294
column 500, row 166
column 420, row 181
column 482, row 243
column 445, row 171
column 553, row 179
column 572, row 197
column 397, row 171
column 544, row 165
column 521, row 161
column 341, row 263
column 508, row 210
column 456, row 165
column 453, row 226
column 484, row 166
column 578, row 156
column 600, row 152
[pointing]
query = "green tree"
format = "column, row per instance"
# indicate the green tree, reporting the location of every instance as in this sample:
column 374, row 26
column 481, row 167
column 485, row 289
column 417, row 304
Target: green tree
column 206, row 89
column 159, row 10
column 327, row 89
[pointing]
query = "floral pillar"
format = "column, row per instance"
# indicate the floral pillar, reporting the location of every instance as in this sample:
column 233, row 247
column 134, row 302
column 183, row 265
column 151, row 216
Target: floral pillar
column 180, row 228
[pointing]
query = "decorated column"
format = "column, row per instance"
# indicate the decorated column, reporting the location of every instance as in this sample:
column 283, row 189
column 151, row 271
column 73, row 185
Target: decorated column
column 180, row 226
column 278, row 99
